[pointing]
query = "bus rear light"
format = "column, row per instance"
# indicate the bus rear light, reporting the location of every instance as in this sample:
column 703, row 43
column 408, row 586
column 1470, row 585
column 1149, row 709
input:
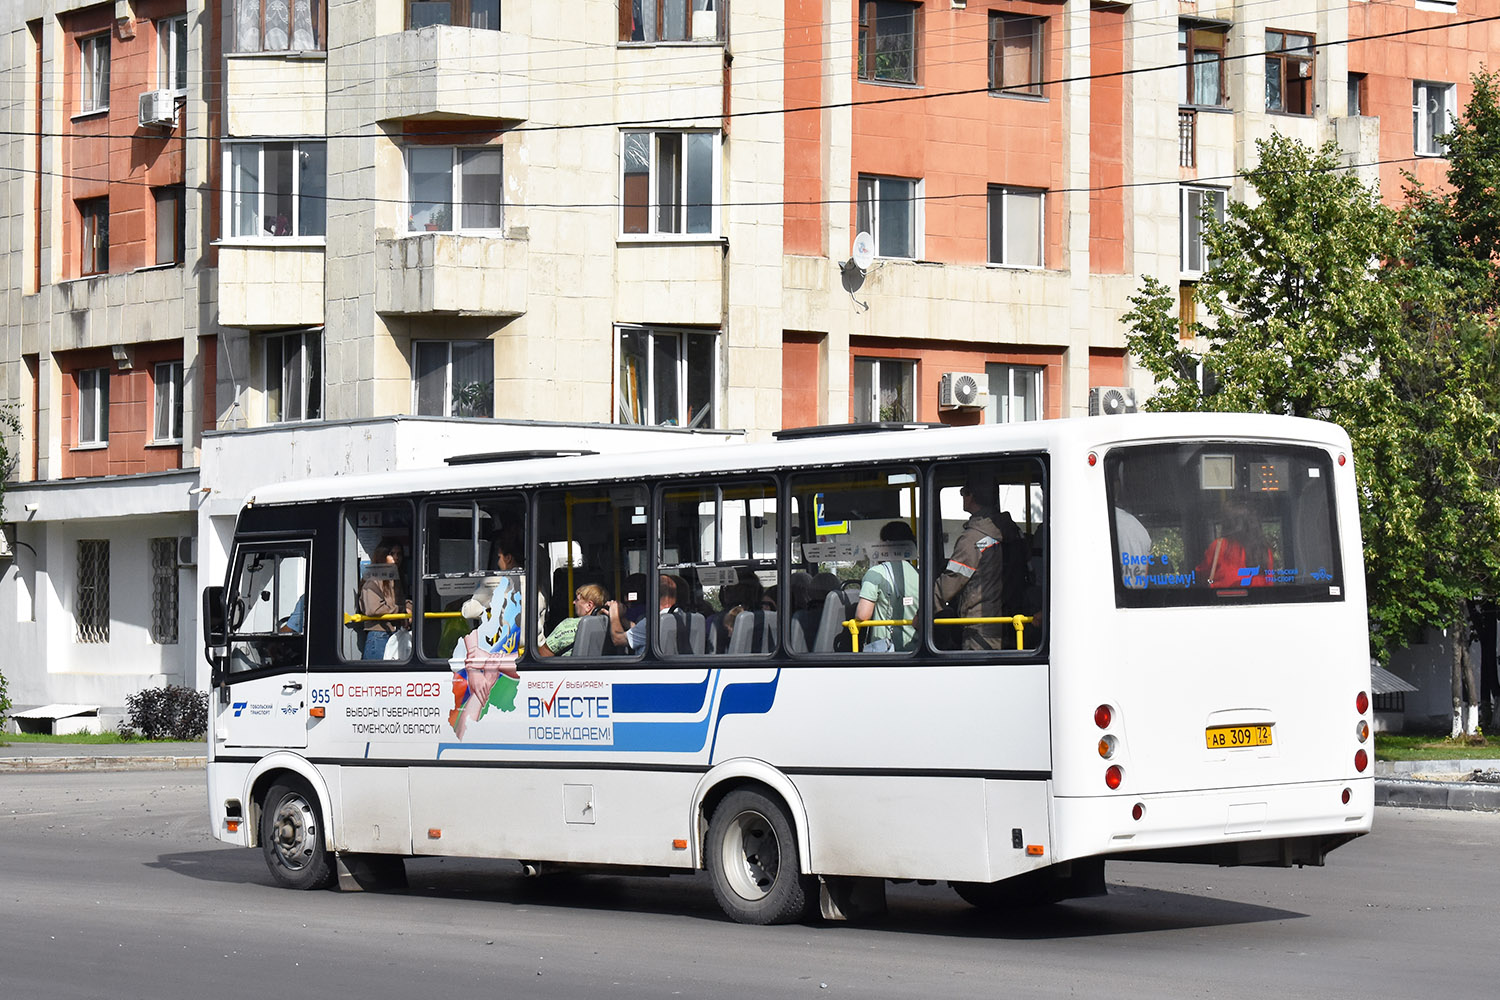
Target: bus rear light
column 1361, row 760
column 1116, row 774
column 1137, row 811
column 1093, row 459
column 1362, row 730
column 1342, row 459
column 1103, row 716
column 1347, row 796
column 1361, row 703
column 1106, row 747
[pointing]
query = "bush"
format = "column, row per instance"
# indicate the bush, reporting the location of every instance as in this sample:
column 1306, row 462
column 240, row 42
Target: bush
column 176, row 713
column 4, row 703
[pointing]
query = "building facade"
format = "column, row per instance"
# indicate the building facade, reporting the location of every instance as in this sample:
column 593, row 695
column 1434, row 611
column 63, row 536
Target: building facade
column 240, row 222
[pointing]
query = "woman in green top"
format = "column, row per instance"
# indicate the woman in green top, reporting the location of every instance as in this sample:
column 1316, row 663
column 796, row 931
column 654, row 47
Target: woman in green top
column 589, row 598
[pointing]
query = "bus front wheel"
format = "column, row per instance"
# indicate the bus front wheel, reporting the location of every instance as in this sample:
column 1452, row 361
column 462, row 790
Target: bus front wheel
column 752, row 858
column 291, row 836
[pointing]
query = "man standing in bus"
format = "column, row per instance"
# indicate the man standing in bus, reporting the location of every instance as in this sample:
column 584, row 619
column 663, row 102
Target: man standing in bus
column 970, row 585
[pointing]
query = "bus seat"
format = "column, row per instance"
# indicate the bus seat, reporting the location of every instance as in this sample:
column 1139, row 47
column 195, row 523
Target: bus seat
column 697, row 633
column 592, row 631
column 680, row 633
column 837, row 609
column 754, row 632
column 804, row 627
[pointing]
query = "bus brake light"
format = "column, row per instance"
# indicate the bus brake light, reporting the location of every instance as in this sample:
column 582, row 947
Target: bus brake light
column 1116, row 774
column 1103, row 716
column 1361, row 703
column 1361, row 760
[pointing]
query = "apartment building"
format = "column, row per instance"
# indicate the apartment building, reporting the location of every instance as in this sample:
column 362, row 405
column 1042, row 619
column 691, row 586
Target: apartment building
column 254, row 240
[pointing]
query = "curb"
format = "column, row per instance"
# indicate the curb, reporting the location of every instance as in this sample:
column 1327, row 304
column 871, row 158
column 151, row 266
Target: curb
column 32, row 765
column 1464, row 796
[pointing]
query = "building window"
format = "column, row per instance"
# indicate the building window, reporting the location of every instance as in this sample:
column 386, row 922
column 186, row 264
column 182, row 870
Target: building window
column 1015, row 226
column 459, row 13
column 164, row 591
column 1016, row 53
column 171, row 230
column 93, row 249
column 453, row 378
column 294, row 376
column 1356, row 93
column 93, row 406
column 440, row 179
column 667, row 377
column 884, row 389
column 1198, row 203
column 667, row 183
column 167, row 426
column 669, row 20
column 93, row 86
column 172, row 54
column 1432, row 107
column 277, row 189
column 279, row 25
column 889, row 209
column 1289, row 72
column 1200, row 72
column 91, row 600
column 1015, row 393
column 888, row 41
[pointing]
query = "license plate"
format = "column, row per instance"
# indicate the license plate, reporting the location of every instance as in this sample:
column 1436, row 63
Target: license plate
column 1230, row 737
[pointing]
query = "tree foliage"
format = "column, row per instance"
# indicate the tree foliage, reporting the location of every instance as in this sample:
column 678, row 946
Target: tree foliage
column 1322, row 301
column 9, row 424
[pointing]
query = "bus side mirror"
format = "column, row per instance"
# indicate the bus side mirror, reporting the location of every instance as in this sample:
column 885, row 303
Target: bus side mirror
column 215, row 641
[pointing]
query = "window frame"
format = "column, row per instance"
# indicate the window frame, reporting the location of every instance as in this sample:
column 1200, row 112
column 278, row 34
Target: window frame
column 1188, row 241
column 172, row 47
column 456, row 206
column 1193, row 40
column 1356, row 87
column 93, row 389
column 486, row 348
column 997, row 199
column 310, row 378
column 867, row 213
column 999, row 24
column 93, row 73
column 166, row 399
column 1286, row 56
column 174, row 195
column 165, row 592
column 91, row 620
column 1426, row 141
column 999, row 409
column 299, row 149
column 683, row 206
column 657, row 24
column 867, row 61
column 461, row 14
column 317, row 22
column 93, row 235
column 682, row 362
column 875, row 412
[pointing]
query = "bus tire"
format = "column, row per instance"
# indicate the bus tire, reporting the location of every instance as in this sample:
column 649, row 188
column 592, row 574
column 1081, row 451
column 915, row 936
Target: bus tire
column 752, row 858
column 291, row 837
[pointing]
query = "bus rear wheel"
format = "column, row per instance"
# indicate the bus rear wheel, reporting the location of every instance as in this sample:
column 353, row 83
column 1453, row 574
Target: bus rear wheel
column 753, row 861
column 291, row 837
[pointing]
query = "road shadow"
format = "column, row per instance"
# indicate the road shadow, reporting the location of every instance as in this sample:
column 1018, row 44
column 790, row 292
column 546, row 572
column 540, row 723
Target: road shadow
column 912, row 909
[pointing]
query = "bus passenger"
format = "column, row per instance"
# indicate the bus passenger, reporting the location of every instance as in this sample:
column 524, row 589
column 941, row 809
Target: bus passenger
column 590, row 599
column 632, row 635
column 381, row 593
column 888, row 592
column 1240, row 556
column 973, row 580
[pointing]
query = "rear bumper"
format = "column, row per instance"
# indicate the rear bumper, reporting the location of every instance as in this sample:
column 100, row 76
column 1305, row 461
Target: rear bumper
column 1267, row 824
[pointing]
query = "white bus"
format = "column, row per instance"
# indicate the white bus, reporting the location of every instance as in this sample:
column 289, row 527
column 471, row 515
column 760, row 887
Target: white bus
column 996, row 656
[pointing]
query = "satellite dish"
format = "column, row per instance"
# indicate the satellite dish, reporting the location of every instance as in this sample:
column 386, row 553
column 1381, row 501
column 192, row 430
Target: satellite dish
column 864, row 251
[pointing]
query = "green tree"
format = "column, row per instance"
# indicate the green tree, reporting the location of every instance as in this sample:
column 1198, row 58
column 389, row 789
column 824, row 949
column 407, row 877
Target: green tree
column 9, row 425
column 1318, row 304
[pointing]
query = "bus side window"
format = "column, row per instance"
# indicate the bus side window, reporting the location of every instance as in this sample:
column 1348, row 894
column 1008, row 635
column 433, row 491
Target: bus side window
column 267, row 619
column 377, row 601
column 466, row 545
column 989, row 559
column 596, row 536
column 856, row 559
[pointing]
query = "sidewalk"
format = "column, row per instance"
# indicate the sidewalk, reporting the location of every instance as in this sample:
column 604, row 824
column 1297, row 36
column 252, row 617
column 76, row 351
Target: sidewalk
column 31, row 757
column 1426, row 784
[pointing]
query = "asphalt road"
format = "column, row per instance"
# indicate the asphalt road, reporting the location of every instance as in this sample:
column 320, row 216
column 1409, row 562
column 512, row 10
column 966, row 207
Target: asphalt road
column 110, row 886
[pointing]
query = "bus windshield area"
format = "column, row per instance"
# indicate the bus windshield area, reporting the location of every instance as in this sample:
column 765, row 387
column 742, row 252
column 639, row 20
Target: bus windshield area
column 1208, row 523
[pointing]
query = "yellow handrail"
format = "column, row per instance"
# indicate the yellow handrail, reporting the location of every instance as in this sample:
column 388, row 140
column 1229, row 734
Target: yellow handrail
column 1018, row 621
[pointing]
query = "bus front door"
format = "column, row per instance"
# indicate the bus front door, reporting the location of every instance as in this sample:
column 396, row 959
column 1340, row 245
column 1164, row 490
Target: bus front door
column 262, row 696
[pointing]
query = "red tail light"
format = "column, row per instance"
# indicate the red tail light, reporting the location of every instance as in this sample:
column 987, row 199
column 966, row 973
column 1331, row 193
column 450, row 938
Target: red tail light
column 1116, row 774
column 1361, row 760
column 1362, row 703
column 1103, row 716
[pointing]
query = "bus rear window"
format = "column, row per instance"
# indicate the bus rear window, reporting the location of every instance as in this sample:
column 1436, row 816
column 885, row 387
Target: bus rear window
column 1212, row 522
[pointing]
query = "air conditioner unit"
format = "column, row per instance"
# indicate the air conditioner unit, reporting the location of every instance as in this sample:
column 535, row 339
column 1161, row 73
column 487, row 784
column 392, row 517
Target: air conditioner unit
column 187, row 550
column 963, row 389
column 1108, row 399
column 158, row 107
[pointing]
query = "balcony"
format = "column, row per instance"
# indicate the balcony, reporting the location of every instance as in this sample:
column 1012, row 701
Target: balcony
column 452, row 274
column 446, row 72
column 266, row 286
column 276, row 94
